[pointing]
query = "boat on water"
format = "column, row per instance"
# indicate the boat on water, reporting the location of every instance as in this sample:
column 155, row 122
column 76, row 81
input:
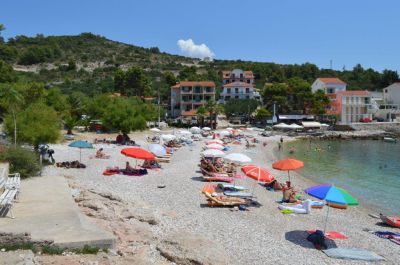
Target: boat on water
column 390, row 140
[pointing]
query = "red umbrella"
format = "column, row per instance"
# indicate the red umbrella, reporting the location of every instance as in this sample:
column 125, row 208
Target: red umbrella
column 287, row 165
column 138, row 153
column 257, row 173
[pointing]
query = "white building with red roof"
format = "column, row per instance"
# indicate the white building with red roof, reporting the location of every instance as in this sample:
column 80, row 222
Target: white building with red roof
column 188, row 96
column 330, row 85
column 238, row 84
column 348, row 105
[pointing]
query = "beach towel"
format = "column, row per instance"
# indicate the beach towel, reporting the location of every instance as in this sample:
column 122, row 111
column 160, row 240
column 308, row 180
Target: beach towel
column 352, row 254
column 331, row 234
column 392, row 236
column 231, row 187
column 238, row 194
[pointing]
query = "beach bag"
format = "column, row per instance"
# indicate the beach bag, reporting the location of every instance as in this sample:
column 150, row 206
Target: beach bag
column 318, row 239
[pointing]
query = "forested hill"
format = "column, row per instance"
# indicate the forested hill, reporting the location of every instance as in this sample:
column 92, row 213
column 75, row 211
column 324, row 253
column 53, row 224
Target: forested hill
column 89, row 59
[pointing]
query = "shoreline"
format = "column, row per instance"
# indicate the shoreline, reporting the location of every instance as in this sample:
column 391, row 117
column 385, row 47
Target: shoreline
column 180, row 208
column 308, row 182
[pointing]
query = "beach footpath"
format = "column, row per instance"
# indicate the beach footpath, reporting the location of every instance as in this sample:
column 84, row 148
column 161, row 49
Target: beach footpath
column 45, row 213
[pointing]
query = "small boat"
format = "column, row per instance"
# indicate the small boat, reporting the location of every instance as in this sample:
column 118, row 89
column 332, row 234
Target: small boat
column 390, row 220
column 390, row 140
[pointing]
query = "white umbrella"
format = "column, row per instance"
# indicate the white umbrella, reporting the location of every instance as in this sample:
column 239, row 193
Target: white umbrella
column 155, row 130
column 214, row 146
column 213, row 153
column 238, row 158
column 168, row 137
column 206, row 129
column 282, row 126
column 223, row 133
column 184, row 132
column 295, row 126
column 215, row 141
column 195, row 130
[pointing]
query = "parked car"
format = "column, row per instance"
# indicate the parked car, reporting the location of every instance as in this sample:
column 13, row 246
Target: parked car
column 365, row 120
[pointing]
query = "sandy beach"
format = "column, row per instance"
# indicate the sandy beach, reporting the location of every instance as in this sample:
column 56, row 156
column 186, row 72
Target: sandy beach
column 262, row 235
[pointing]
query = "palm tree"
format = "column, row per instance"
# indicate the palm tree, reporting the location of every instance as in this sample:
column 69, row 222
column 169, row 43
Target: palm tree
column 201, row 113
column 10, row 99
column 213, row 109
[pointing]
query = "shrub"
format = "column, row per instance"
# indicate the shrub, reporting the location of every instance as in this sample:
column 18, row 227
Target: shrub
column 52, row 250
column 22, row 160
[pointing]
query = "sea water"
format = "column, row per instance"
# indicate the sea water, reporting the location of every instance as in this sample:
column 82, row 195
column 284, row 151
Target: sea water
column 369, row 170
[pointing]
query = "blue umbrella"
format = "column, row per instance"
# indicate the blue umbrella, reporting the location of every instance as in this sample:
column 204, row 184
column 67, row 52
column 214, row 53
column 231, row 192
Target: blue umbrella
column 80, row 145
column 331, row 194
column 157, row 149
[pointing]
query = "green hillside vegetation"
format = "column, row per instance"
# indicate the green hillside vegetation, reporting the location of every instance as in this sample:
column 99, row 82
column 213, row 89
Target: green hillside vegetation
column 69, row 73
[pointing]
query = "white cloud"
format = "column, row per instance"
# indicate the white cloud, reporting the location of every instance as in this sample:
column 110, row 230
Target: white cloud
column 189, row 48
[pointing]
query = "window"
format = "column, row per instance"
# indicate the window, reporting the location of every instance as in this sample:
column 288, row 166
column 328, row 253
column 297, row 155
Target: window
column 241, row 75
column 385, row 90
column 241, row 80
column 330, row 90
column 247, row 97
column 236, row 90
column 248, row 81
column 247, row 90
column 236, row 97
column 228, row 91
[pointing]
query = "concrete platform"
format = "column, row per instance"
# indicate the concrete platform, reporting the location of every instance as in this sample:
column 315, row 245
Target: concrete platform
column 47, row 211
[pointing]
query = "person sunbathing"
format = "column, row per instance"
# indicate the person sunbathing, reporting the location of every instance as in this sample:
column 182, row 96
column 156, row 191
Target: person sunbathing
column 101, row 154
column 128, row 167
column 289, row 195
column 150, row 164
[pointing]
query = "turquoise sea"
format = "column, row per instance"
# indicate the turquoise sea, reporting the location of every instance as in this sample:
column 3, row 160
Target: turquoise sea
column 369, row 170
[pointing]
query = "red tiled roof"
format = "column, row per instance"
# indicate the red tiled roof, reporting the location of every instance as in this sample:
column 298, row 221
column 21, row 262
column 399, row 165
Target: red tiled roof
column 247, row 74
column 194, row 83
column 189, row 113
column 238, row 84
column 332, row 80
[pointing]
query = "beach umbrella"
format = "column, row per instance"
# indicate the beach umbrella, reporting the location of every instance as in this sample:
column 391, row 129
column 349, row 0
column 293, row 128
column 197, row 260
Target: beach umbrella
column 238, row 158
column 185, row 132
column 81, row 145
column 331, row 194
column 138, row 153
column 213, row 153
column 206, row 129
column 168, row 137
column 155, row 130
column 287, row 165
column 257, row 173
column 214, row 146
column 195, row 130
column 224, row 133
column 215, row 141
column 157, row 149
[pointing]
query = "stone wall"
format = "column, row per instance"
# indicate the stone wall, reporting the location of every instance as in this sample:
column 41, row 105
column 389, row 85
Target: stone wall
column 377, row 126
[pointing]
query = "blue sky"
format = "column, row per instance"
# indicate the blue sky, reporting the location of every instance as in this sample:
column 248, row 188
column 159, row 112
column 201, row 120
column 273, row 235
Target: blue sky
column 282, row 31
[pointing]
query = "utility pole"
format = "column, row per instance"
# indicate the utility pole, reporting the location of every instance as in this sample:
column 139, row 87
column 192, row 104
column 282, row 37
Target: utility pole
column 158, row 100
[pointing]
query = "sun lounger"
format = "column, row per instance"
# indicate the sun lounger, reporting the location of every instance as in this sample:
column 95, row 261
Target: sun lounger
column 213, row 174
column 163, row 159
column 224, row 201
column 231, row 187
column 11, row 190
column 352, row 254
column 303, row 208
column 239, row 194
column 218, row 178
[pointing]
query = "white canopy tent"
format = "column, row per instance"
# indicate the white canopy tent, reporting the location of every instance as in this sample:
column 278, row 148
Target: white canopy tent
column 311, row 124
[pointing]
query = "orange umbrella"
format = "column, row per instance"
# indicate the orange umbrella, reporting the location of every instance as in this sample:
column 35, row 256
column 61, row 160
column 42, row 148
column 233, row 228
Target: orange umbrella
column 138, row 153
column 257, row 173
column 287, row 165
